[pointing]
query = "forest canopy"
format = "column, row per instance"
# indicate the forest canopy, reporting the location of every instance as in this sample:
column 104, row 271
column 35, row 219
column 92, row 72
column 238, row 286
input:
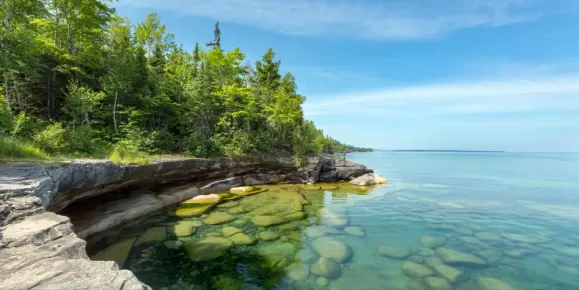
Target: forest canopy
column 77, row 79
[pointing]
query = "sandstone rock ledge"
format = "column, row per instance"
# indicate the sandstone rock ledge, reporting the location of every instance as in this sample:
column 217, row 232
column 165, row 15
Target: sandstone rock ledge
column 40, row 249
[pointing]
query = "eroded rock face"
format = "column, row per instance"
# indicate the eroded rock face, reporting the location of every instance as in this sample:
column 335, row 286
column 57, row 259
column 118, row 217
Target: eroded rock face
column 40, row 249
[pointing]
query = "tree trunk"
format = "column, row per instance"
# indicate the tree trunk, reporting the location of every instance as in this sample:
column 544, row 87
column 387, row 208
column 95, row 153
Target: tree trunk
column 7, row 20
column 115, row 112
column 7, row 98
column 87, row 119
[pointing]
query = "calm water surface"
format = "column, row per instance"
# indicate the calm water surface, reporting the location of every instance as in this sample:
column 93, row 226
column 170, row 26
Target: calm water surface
column 485, row 221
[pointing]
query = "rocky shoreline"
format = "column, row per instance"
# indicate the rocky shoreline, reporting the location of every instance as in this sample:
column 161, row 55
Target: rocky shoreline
column 40, row 249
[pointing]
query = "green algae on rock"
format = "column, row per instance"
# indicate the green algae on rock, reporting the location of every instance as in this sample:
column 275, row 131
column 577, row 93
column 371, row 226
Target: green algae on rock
column 208, row 248
column 156, row 234
column 118, row 252
column 191, row 210
column 298, row 272
column 216, row 218
column 276, row 255
column 267, row 220
column 242, row 239
column 230, row 231
column 184, row 228
column 415, row 270
column 268, row 235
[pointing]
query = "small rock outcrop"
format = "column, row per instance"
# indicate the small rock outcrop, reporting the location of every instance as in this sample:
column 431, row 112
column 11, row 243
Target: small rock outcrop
column 368, row 179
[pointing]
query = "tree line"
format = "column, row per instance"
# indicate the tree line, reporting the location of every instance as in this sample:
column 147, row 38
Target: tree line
column 78, row 79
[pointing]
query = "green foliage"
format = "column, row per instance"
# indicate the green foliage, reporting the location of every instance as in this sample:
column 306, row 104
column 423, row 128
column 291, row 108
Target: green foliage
column 125, row 152
column 5, row 122
column 81, row 101
column 78, row 79
column 52, row 139
column 11, row 149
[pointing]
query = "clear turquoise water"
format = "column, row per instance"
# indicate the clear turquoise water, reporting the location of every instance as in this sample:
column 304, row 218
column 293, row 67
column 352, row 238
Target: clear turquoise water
column 518, row 212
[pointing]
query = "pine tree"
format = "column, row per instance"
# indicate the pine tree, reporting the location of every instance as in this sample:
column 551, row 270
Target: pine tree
column 216, row 43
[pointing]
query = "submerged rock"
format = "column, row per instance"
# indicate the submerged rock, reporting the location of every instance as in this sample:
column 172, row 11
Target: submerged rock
column 464, row 231
column 299, row 215
column 332, row 218
column 414, row 284
column 298, row 272
column 157, row 234
column 202, row 199
column 432, row 242
column 416, row 259
column 355, row 231
column 529, row 239
column 488, row 236
column 267, row 220
column 331, row 248
column 242, row 190
column 276, row 255
column 242, row 239
column 292, row 226
column 450, row 273
column 326, row 268
column 208, row 248
column 217, row 218
column 237, row 210
column 118, row 252
column 193, row 211
column 268, row 235
column 437, row 283
column 184, row 228
column 230, row 231
column 492, row 256
column 569, row 270
column 517, row 253
column 305, row 255
column 364, row 180
column 393, row 252
column 453, row 257
column 322, row 282
column 314, row 232
column 488, row 283
column 173, row 245
column 425, row 252
column 570, row 251
column 415, row 270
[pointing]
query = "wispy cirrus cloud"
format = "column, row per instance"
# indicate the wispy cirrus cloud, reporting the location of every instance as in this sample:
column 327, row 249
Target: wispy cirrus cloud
column 396, row 19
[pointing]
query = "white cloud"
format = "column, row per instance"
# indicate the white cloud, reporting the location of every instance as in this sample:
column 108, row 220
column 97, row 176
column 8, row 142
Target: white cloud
column 543, row 94
column 395, row 19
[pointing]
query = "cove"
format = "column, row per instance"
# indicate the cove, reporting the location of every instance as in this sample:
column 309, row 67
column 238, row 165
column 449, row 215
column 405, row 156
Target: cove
column 48, row 212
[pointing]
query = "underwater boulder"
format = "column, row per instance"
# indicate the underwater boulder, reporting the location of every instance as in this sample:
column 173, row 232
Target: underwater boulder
column 208, row 248
column 331, row 248
column 326, row 268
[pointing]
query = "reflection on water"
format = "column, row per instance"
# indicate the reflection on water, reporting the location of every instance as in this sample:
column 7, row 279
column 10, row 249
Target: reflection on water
column 401, row 235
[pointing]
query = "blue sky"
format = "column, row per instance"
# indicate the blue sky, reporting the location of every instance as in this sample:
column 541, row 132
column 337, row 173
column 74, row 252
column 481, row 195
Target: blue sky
column 402, row 74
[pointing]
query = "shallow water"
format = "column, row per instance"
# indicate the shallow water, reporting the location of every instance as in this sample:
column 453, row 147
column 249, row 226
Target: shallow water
column 444, row 221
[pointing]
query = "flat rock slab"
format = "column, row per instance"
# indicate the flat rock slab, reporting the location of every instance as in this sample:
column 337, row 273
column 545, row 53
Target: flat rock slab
column 37, row 229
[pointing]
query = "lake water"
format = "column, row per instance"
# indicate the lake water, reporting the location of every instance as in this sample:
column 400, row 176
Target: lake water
column 486, row 221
